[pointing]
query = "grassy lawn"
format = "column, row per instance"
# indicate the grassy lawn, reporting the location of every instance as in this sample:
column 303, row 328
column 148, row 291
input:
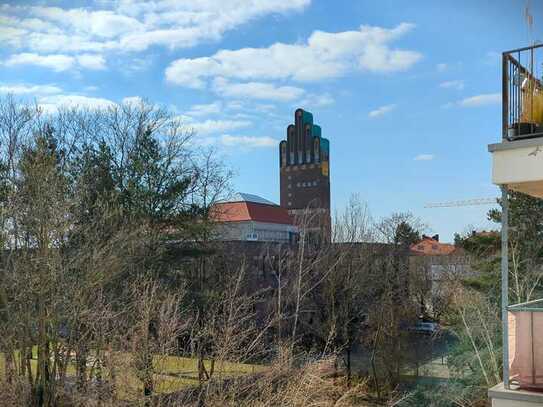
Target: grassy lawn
column 173, row 373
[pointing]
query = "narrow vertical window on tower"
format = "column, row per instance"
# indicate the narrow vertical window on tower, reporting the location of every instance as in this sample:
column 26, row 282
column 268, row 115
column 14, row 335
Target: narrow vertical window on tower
column 290, row 144
column 283, row 154
column 307, row 143
column 316, row 151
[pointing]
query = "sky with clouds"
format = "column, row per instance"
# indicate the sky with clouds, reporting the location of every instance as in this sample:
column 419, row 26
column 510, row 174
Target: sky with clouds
column 406, row 92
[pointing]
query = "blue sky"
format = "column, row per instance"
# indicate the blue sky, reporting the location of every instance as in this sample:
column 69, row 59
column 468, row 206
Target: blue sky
column 406, row 92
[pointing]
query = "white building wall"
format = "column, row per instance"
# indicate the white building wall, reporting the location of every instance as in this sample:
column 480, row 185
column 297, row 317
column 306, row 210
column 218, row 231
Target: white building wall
column 255, row 231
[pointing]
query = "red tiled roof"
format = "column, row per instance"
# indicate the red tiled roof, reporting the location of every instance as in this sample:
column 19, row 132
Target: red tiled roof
column 431, row 247
column 247, row 211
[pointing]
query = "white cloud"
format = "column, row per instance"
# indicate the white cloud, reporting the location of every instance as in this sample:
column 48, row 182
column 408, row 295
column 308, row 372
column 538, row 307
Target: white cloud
column 30, row 24
column 256, row 90
column 57, row 62
column 454, row 84
column 132, row 100
column 205, row 109
column 215, row 126
column 323, row 55
column 313, row 101
column 381, row 111
column 248, row 108
column 91, row 61
column 11, row 36
column 51, row 104
column 481, row 100
column 235, row 105
column 264, row 108
column 184, row 24
column 24, row 89
column 442, row 67
column 248, row 141
column 91, row 88
column 98, row 23
column 67, row 43
column 424, row 157
column 130, row 25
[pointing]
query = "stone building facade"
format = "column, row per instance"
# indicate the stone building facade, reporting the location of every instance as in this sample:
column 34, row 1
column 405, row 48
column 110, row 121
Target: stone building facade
column 304, row 161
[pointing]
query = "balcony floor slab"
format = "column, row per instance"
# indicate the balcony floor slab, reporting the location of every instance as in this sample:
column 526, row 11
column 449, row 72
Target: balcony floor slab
column 519, row 165
column 514, row 397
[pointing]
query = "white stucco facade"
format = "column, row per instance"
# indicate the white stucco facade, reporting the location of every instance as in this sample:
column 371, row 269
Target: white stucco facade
column 256, row 231
column 519, row 165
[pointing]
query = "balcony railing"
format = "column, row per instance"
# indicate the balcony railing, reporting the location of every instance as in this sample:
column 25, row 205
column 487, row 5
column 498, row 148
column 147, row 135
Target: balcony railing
column 522, row 93
column 526, row 345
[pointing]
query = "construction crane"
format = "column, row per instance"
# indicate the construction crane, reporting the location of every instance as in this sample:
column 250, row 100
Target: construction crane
column 529, row 20
column 466, row 202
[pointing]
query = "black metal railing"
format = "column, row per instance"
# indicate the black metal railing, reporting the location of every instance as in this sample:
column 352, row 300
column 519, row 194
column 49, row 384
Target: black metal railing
column 522, row 93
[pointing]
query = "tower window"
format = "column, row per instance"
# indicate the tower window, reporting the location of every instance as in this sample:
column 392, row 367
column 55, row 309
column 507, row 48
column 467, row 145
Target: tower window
column 283, row 154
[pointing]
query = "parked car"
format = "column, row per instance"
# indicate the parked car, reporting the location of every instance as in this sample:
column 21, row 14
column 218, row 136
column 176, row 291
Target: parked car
column 426, row 328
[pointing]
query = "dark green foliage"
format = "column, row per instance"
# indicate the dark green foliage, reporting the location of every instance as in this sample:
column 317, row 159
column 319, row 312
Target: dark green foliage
column 525, row 251
column 406, row 234
column 484, row 251
column 525, row 225
column 462, row 361
column 526, row 243
column 450, row 394
column 155, row 187
column 93, row 178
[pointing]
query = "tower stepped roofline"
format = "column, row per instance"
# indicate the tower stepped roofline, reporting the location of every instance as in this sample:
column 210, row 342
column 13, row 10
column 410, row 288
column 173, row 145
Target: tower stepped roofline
column 304, row 162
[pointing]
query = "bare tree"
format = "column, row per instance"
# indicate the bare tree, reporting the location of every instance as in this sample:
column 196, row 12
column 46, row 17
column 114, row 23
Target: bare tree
column 89, row 199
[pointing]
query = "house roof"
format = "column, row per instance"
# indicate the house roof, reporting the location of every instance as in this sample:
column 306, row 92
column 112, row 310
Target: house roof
column 484, row 233
column 245, row 197
column 248, row 207
column 431, row 247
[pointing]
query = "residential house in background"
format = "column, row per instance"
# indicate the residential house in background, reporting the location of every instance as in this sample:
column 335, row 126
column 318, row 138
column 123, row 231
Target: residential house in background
column 431, row 246
column 432, row 264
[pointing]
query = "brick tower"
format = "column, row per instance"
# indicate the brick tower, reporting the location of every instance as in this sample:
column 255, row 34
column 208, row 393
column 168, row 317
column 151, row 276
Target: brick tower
column 304, row 160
